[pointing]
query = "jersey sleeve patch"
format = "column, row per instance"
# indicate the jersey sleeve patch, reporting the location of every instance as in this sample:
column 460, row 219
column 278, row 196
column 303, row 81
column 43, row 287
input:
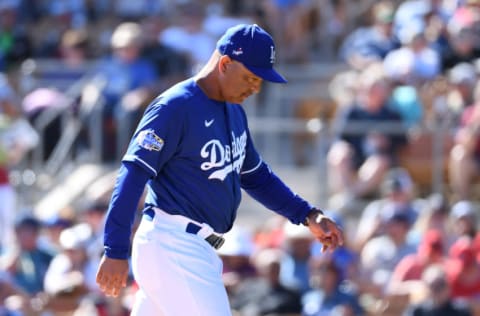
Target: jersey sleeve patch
column 149, row 140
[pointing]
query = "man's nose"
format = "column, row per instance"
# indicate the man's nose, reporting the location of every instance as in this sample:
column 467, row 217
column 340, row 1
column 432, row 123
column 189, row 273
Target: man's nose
column 255, row 88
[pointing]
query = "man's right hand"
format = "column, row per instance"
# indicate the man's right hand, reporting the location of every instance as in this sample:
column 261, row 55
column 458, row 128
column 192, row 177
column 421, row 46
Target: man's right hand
column 112, row 275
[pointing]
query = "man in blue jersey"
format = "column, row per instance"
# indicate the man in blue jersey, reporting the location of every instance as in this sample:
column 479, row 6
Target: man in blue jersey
column 194, row 152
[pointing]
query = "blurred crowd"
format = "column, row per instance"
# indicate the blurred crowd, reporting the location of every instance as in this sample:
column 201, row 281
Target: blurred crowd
column 411, row 66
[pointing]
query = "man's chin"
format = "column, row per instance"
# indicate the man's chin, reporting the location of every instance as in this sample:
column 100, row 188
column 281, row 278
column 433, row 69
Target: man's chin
column 239, row 99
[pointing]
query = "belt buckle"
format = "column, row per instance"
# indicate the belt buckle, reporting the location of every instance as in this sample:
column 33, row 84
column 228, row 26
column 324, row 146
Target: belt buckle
column 215, row 241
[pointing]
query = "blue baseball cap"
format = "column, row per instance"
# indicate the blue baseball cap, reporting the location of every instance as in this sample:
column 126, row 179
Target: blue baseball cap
column 253, row 47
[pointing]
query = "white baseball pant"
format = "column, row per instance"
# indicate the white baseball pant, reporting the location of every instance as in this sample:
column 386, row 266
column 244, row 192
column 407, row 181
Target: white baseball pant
column 178, row 273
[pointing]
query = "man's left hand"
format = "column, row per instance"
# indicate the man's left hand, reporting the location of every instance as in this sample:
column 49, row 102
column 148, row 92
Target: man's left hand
column 325, row 230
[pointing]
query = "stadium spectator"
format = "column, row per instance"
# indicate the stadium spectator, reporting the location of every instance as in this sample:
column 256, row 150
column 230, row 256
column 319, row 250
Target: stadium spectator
column 53, row 227
column 462, row 79
column 15, row 44
column 270, row 233
column 329, row 294
column 461, row 37
column 342, row 88
column 463, row 270
column 297, row 245
column 439, row 300
column 72, row 270
column 57, row 18
column 171, row 66
column 236, row 254
column 406, row 100
column 397, row 190
column 266, row 294
column 73, row 11
column 414, row 62
column 93, row 214
column 221, row 16
column 370, row 44
column 381, row 254
column 290, row 21
column 29, row 12
column 74, row 52
column 27, row 263
column 130, row 80
column 464, row 160
column 365, row 147
column 421, row 12
column 345, row 257
column 13, row 301
column 433, row 215
column 187, row 35
column 136, row 10
column 70, row 279
column 464, row 219
column 408, row 272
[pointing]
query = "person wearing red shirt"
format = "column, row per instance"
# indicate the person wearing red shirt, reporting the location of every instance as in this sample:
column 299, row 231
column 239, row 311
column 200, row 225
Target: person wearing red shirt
column 409, row 270
column 463, row 270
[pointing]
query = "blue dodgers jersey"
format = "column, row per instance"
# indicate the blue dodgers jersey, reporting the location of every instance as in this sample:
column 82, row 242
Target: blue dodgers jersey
column 195, row 149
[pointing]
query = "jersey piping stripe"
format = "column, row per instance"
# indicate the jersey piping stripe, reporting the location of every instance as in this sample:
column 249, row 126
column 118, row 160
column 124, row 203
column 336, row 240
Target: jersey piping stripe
column 254, row 168
column 130, row 157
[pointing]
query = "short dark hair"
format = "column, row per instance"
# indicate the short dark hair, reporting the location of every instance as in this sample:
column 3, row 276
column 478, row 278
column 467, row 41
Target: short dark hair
column 28, row 222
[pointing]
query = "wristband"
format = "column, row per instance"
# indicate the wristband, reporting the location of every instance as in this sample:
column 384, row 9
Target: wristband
column 306, row 221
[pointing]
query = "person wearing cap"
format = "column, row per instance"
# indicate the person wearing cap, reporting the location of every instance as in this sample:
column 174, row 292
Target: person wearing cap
column 407, row 274
column 464, row 219
column 461, row 80
column 381, row 254
column 297, row 244
column 72, row 269
column 397, row 189
column 28, row 262
column 194, row 151
column 330, row 294
column 129, row 82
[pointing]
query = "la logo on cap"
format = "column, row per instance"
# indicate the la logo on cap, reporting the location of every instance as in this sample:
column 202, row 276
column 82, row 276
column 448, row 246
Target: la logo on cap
column 272, row 54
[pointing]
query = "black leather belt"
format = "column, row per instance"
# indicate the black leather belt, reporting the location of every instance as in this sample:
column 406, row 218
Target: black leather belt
column 214, row 240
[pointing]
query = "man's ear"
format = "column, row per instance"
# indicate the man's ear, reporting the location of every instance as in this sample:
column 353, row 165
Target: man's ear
column 223, row 63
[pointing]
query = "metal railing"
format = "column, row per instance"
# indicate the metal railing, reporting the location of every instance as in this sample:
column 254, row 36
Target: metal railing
column 77, row 110
column 89, row 115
